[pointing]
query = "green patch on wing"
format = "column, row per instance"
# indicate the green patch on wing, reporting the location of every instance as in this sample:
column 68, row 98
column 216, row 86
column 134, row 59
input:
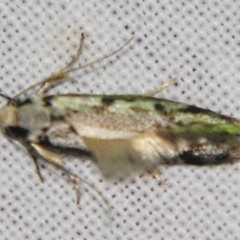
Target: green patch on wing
column 201, row 128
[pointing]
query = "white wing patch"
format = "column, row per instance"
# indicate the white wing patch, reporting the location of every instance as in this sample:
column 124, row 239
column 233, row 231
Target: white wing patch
column 120, row 157
column 114, row 156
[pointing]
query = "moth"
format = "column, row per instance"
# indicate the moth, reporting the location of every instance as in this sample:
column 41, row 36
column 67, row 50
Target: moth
column 121, row 133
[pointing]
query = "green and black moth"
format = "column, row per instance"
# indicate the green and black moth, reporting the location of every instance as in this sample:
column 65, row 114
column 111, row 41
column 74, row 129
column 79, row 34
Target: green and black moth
column 121, row 133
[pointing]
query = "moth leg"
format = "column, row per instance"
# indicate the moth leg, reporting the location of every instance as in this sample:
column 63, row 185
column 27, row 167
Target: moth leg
column 77, row 55
column 46, row 84
column 37, row 167
column 100, row 59
column 53, row 81
column 56, row 77
column 161, row 88
column 76, row 186
column 62, row 74
column 157, row 176
column 55, row 159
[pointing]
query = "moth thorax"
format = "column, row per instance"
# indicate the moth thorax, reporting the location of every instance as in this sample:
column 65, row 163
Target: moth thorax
column 33, row 117
column 8, row 116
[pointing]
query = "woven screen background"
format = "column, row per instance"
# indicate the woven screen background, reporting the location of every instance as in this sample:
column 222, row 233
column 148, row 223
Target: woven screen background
column 198, row 41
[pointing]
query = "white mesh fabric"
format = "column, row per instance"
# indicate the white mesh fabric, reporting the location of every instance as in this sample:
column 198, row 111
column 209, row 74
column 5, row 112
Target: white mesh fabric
column 198, row 41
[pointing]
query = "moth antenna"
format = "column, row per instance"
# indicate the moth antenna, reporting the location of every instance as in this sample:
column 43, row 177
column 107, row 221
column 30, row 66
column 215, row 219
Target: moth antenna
column 9, row 99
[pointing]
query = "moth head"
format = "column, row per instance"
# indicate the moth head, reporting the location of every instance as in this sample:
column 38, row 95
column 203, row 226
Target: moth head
column 8, row 113
column 19, row 118
column 8, row 116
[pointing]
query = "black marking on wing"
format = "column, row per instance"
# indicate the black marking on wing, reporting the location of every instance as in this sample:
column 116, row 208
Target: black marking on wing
column 194, row 109
column 129, row 98
column 159, row 107
column 108, row 99
column 193, row 158
column 65, row 150
column 16, row 132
